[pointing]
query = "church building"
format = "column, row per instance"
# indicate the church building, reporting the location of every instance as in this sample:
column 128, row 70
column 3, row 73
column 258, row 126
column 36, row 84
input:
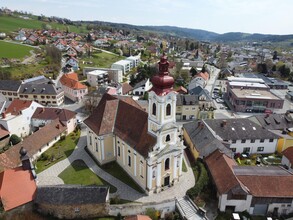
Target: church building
column 148, row 146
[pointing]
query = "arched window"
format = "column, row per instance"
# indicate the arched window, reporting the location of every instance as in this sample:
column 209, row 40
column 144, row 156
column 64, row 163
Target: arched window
column 167, row 164
column 154, row 111
column 168, row 109
column 168, row 138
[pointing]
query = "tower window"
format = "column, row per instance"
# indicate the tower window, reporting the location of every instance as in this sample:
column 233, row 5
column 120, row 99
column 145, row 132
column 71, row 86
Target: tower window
column 154, row 111
column 168, row 138
column 129, row 161
column 167, row 164
column 168, row 109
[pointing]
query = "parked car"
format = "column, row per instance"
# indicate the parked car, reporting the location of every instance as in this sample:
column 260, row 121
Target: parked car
column 219, row 100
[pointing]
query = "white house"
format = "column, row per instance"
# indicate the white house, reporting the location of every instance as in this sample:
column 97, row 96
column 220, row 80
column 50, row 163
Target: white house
column 134, row 61
column 140, row 88
column 97, row 77
column 17, row 117
column 115, row 75
column 124, row 65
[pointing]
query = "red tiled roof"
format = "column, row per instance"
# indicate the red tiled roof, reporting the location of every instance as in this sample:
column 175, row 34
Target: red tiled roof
column 126, row 88
column 137, row 217
column 125, row 118
column 268, row 186
column 204, row 75
column 71, row 80
column 17, row 188
column 3, row 132
column 288, row 153
column 53, row 113
column 17, row 105
column 181, row 90
column 220, row 167
column 33, row 143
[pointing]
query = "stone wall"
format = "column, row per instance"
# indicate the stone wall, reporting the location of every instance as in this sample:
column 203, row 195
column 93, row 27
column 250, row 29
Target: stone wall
column 73, row 211
column 139, row 208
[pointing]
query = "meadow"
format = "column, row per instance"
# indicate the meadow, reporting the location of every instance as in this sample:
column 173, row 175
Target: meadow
column 11, row 50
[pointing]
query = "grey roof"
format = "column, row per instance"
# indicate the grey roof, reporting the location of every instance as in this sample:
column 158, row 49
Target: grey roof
column 43, row 88
column 203, row 139
column 71, row 194
column 199, row 91
column 183, row 99
column 260, row 171
column 140, row 84
column 227, row 71
column 239, row 129
column 274, row 121
column 10, row 85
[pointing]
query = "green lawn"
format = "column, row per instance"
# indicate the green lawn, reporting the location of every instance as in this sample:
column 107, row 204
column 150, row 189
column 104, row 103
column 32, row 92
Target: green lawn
column 11, row 50
column 115, row 170
column 10, row 24
column 59, row 151
column 79, row 173
column 100, row 59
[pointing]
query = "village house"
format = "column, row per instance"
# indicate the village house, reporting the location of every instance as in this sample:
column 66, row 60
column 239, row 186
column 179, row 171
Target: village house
column 140, row 88
column 255, row 189
column 124, row 65
column 186, row 107
column 287, row 159
column 114, row 75
column 146, row 146
column 41, row 90
column 97, row 78
column 240, row 135
column 43, row 116
column 17, row 117
column 73, row 89
column 9, row 89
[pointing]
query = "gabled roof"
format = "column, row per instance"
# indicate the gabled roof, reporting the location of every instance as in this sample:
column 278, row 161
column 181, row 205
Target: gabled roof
column 274, row 121
column 239, row 129
column 71, row 195
column 199, row 91
column 53, row 113
column 204, row 75
column 126, row 119
column 34, row 142
column 288, row 153
column 17, row 105
column 71, row 80
column 140, row 84
column 17, row 187
column 47, row 88
column 203, row 139
column 182, row 99
column 10, row 85
column 220, row 167
column 126, row 88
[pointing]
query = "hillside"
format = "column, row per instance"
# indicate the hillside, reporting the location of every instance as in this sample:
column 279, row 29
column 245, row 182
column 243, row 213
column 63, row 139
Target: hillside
column 11, row 23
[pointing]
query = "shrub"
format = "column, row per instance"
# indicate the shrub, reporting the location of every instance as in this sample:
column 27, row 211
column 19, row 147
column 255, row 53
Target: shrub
column 14, row 139
column 152, row 213
column 201, row 183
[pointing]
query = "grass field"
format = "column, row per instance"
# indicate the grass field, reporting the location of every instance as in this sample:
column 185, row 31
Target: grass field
column 10, row 24
column 11, row 50
column 101, row 59
column 79, row 173
column 59, row 151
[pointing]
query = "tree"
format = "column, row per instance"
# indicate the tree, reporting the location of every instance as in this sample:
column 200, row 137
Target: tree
column 186, row 44
column 275, row 55
column 193, row 71
column 91, row 102
column 192, row 47
column 14, row 139
column 203, row 70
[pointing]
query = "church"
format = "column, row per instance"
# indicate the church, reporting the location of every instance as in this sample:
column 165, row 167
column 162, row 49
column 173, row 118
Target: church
column 147, row 146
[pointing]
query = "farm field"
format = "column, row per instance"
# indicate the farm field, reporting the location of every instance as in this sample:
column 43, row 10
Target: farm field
column 11, row 50
column 10, row 24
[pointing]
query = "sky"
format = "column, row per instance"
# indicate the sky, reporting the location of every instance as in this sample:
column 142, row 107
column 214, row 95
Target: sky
column 220, row 16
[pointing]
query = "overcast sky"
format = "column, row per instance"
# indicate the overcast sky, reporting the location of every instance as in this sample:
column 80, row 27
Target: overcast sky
column 221, row 16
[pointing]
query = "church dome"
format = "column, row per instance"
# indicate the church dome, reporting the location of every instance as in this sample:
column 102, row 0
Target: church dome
column 163, row 82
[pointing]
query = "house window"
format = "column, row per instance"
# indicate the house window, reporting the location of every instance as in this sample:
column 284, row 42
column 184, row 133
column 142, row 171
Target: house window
column 271, row 140
column 154, row 111
column 246, row 150
column 168, row 110
column 259, row 149
column 233, row 149
column 243, row 141
column 118, row 151
column 154, row 173
column 252, row 141
column 129, row 160
column 262, row 140
column 233, row 141
column 168, row 138
column 141, row 169
column 167, row 164
column 90, row 140
column 97, row 147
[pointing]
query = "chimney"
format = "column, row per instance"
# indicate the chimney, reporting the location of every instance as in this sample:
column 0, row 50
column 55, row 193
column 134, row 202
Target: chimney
column 25, row 161
column 3, row 115
column 57, row 126
column 267, row 115
column 223, row 123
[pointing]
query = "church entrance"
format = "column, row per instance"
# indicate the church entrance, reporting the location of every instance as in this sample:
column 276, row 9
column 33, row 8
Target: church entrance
column 167, row 181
